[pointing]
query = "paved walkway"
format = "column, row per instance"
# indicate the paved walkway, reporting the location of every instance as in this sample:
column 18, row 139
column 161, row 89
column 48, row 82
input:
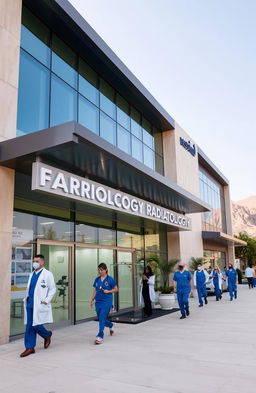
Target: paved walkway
column 214, row 350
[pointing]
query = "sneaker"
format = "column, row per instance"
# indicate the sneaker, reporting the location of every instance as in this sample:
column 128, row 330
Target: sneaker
column 111, row 330
column 235, row 295
column 205, row 300
column 98, row 340
column 183, row 317
column 231, row 299
column 187, row 312
column 200, row 305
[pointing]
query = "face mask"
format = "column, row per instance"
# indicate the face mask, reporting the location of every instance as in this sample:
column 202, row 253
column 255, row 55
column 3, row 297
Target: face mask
column 36, row 265
column 230, row 267
column 180, row 267
column 199, row 268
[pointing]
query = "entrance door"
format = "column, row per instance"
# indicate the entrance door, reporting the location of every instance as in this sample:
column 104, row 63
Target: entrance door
column 58, row 260
column 126, row 277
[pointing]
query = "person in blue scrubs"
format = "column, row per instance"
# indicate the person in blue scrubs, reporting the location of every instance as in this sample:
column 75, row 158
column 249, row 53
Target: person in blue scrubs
column 182, row 284
column 200, row 278
column 104, row 286
column 216, row 275
column 231, row 274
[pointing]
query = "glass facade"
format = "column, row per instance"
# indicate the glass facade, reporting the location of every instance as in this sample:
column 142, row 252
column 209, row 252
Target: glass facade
column 97, row 239
column 212, row 257
column 212, row 193
column 56, row 86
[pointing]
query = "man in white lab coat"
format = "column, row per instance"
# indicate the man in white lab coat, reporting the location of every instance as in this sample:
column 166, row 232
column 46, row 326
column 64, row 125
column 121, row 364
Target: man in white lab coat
column 37, row 305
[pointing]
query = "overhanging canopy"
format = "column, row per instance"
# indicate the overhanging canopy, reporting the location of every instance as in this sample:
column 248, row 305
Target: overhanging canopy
column 74, row 148
column 222, row 238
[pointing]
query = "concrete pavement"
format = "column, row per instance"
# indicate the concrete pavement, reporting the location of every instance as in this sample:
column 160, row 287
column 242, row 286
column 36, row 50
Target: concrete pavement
column 213, row 350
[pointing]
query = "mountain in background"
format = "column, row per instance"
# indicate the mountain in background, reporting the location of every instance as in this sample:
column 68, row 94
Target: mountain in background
column 244, row 216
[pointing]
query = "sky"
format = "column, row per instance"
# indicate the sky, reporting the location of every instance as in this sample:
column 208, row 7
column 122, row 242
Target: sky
column 198, row 59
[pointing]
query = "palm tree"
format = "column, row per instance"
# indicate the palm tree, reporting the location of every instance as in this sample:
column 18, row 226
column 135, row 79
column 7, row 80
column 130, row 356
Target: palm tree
column 194, row 262
column 166, row 267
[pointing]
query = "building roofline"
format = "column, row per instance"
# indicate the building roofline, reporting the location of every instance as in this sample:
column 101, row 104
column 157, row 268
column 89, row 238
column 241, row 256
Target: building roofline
column 61, row 14
column 211, row 168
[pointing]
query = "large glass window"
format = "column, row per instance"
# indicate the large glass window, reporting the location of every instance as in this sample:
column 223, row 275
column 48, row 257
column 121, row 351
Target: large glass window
column 35, row 37
column 88, row 115
column 33, row 99
column 88, row 82
column 63, row 102
column 212, row 193
column 123, row 139
column 107, row 128
column 77, row 92
column 64, row 61
column 107, row 99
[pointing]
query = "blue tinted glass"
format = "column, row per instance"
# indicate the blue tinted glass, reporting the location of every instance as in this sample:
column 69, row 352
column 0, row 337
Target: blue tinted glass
column 123, row 139
column 107, row 128
column 64, row 70
column 63, row 102
column 148, row 139
column 136, row 129
column 33, row 100
column 137, row 149
column 88, row 90
column 148, row 157
column 36, row 47
column 88, row 115
column 107, row 106
column 123, row 118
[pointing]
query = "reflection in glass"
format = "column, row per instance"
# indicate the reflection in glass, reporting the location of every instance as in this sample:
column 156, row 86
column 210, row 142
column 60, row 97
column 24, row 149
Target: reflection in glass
column 86, row 272
column 106, row 236
column 125, row 294
column 53, row 229
column 88, row 115
column 64, row 61
column 129, row 240
column 107, row 99
column 107, row 128
column 88, row 82
column 63, row 102
column 86, row 234
column 33, row 99
column 123, row 117
column 137, row 151
column 148, row 156
column 35, row 37
column 123, row 139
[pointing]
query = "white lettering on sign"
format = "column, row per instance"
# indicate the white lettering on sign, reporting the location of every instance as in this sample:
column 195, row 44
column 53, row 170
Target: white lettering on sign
column 54, row 181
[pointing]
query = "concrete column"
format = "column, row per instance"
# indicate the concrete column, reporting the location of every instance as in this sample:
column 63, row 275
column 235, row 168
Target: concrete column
column 10, row 24
column 6, row 219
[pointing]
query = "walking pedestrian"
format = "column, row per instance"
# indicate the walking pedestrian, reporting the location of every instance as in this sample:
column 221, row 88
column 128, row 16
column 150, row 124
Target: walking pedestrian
column 201, row 276
column 217, row 277
column 104, row 286
column 37, row 305
column 232, row 279
column 147, row 295
column 249, row 274
column 182, row 284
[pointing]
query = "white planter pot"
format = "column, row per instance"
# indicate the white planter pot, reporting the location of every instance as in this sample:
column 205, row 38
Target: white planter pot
column 167, row 301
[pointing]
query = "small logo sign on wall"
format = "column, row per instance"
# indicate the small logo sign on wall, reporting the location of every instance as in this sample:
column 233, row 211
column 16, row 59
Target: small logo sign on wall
column 188, row 146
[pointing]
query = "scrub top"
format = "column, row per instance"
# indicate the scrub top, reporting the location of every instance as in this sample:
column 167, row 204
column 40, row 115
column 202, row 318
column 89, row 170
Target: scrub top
column 231, row 275
column 108, row 283
column 200, row 278
column 183, row 280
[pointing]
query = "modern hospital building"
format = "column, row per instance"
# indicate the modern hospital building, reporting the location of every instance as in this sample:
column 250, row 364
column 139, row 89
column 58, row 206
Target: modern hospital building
column 92, row 168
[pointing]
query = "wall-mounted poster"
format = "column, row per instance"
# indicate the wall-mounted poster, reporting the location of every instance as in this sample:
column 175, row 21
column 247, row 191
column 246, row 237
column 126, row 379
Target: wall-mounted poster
column 22, row 280
column 23, row 267
column 13, row 265
column 23, row 253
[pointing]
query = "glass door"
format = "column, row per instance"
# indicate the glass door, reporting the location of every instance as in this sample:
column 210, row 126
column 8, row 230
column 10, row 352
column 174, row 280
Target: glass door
column 125, row 274
column 58, row 260
column 87, row 261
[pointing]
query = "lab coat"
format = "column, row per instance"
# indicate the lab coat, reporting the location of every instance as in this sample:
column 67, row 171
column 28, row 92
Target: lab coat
column 220, row 278
column 206, row 276
column 151, row 286
column 44, row 291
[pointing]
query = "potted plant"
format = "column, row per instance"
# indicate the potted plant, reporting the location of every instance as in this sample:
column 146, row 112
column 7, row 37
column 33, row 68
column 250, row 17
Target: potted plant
column 166, row 297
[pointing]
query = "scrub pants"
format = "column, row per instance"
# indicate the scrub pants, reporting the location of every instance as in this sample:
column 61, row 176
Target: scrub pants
column 31, row 331
column 102, row 310
column 250, row 282
column 202, row 293
column 183, row 301
column 217, row 289
column 232, row 290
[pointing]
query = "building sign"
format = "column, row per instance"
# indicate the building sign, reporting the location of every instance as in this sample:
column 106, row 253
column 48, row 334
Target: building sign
column 54, row 181
column 188, row 146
